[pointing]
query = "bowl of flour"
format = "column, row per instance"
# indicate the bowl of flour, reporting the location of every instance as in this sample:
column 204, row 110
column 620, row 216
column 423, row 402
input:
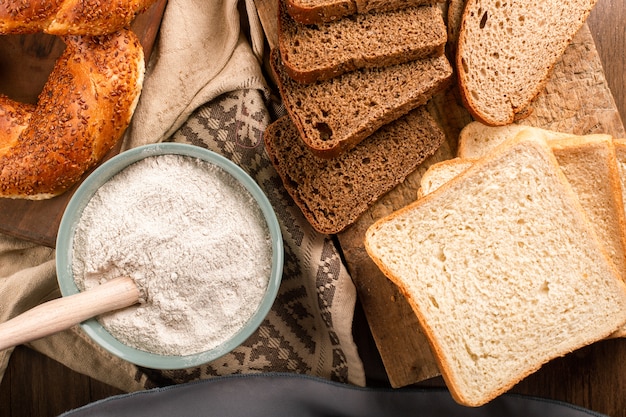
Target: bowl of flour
column 196, row 234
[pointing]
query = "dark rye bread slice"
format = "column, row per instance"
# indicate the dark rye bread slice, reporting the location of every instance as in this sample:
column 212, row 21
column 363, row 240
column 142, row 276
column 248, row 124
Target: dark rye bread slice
column 334, row 115
column 319, row 52
column 333, row 193
column 319, row 11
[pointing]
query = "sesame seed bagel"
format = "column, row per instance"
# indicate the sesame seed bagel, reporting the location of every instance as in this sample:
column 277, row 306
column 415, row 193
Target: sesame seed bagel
column 83, row 110
column 73, row 17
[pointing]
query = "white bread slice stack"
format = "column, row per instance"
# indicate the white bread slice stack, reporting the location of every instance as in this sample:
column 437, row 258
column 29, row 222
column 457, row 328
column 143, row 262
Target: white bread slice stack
column 502, row 269
column 590, row 163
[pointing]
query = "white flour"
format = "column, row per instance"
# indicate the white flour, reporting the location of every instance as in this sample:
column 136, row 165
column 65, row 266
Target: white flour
column 192, row 238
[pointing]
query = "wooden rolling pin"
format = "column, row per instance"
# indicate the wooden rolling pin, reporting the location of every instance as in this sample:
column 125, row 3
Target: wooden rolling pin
column 62, row 313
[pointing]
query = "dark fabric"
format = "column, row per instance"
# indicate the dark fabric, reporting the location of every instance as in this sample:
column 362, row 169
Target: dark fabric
column 292, row 395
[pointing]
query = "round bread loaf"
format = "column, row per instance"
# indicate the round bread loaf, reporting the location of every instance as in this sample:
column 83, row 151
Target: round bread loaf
column 83, row 110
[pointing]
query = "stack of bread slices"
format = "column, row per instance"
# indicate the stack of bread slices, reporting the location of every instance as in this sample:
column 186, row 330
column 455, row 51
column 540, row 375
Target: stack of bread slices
column 513, row 254
column 354, row 84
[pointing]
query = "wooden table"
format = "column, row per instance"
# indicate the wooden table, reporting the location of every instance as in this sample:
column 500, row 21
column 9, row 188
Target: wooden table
column 594, row 377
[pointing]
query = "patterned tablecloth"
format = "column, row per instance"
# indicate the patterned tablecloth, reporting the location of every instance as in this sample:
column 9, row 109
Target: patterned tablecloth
column 204, row 85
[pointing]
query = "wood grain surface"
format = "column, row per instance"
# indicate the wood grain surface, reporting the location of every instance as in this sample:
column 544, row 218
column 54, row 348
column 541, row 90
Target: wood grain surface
column 26, row 61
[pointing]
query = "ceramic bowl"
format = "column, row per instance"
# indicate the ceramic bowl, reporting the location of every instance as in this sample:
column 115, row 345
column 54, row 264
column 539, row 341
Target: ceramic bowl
column 73, row 213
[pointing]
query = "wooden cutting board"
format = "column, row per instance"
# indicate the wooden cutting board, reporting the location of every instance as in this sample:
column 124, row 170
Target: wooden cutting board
column 577, row 99
column 25, row 62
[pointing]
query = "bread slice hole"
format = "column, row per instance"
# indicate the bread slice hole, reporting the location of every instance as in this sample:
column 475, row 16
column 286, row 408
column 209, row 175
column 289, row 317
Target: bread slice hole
column 326, row 133
column 483, row 20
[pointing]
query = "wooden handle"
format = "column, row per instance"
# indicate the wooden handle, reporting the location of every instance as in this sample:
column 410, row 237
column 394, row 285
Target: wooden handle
column 63, row 313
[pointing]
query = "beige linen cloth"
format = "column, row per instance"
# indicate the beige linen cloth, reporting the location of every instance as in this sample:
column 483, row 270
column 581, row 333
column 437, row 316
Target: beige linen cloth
column 204, row 85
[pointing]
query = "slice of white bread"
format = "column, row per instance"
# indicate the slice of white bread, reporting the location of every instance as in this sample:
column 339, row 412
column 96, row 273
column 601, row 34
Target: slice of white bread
column 476, row 138
column 317, row 52
column 506, row 51
column 502, row 269
column 440, row 173
column 590, row 164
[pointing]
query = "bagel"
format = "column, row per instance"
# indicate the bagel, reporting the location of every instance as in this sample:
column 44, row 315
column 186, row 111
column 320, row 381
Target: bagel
column 68, row 17
column 82, row 111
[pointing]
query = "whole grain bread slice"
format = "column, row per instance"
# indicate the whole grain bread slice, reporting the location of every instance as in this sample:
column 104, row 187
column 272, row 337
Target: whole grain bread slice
column 502, row 269
column 318, row 52
column 506, row 52
column 334, row 115
column 454, row 17
column 319, row 11
column 333, row 193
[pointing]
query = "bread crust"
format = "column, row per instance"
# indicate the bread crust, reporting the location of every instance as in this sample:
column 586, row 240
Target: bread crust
column 82, row 111
column 449, row 167
column 68, row 17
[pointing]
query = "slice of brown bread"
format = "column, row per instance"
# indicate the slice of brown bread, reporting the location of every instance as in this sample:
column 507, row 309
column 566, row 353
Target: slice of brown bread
column 318, row 11
column 334, row 115
column 455, row 16
column 506, row 51
column 333, row 193
column 318, row 52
